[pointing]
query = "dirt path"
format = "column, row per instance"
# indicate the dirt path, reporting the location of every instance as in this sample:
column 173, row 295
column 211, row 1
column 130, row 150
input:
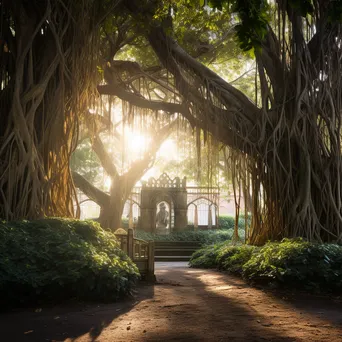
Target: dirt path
column 185, row 305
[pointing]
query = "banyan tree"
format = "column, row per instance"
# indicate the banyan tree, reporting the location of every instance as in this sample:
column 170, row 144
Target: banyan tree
column 291, row 132
column 48, row 51
column 288, row 136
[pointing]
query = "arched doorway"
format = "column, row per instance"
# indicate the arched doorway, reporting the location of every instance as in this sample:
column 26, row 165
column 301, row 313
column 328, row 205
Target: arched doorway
column 173, row 194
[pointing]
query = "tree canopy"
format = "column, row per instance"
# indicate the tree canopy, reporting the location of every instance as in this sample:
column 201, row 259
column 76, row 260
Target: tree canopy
column 159, row 57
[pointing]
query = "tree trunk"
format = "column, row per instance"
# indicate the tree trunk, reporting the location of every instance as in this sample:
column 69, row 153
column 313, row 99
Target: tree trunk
column 111, row 216
column 41, row 73
column 111, row 213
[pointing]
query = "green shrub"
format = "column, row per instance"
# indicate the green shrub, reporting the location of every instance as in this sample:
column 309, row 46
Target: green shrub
column 223, row 256
column 53, row 259
column 232, row 258
column 226, row 222
column 206, row 256
column 292, row 263
column 225, row 252
column 298, row 264
column 202, row 236
column 237, row 259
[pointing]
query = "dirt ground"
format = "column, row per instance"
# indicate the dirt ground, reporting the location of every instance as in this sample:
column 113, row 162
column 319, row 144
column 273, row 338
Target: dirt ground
column 185, row 305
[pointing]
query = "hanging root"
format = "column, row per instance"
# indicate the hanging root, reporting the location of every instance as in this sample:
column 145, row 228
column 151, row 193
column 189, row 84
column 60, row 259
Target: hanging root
column 42, row 92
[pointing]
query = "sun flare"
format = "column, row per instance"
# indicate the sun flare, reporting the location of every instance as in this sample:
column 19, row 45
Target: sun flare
column 137, row 141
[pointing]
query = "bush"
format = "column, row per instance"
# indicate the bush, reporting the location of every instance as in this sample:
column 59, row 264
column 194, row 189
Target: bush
column 232, row 258
column 202, row 236
column 298, row 264
column 223, row 256
column 237, row 259
column 206, row 257
column 54, row 259
column 228, row 222
column 292, row 263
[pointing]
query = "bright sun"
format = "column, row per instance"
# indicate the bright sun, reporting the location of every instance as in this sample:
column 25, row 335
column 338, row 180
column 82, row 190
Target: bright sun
column 136, row 141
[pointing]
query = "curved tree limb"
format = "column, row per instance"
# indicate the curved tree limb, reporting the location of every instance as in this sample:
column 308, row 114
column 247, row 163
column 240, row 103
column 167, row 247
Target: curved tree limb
column 95, row 194
column 105, row 158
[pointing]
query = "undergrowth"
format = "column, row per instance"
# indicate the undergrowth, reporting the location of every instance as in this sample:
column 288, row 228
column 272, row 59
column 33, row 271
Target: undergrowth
column 225, row 222
column 54, row 259
column 291, row 263
column 202, row 236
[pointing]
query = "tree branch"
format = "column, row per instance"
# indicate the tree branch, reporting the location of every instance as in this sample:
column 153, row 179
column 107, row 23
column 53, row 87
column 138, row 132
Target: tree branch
column 139, row 167
column 139, row 101
column 105, row 159
column 95, row 194
column 169, row 51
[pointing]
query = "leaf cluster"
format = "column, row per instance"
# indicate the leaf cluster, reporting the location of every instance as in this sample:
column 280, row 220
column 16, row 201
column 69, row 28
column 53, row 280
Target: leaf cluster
column 206, row 257
column 297, row 263
column 85, row 161
column 228, row 222
column 54, row 259
column 291, row 263
column 203, row 236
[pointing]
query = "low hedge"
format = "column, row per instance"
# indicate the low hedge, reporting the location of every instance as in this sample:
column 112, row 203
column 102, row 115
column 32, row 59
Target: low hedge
column 202, row 236
column 291, row 263
column 225, row 222
column 54, row 259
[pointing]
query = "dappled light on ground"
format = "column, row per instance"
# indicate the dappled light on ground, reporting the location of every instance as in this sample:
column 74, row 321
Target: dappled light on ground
column 193, row 305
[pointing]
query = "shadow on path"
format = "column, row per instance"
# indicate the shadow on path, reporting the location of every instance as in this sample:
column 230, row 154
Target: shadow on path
column 185, row 305
column 66, row 322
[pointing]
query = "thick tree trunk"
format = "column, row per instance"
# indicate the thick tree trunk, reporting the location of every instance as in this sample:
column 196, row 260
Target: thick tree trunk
column 111, row 215
column 42, row 70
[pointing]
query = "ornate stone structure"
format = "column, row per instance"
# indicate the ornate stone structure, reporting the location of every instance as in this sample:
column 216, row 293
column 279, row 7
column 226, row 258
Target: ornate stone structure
column 164, row 189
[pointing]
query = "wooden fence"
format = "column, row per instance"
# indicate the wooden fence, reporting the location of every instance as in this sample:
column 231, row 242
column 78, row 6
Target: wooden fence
column 140, row 251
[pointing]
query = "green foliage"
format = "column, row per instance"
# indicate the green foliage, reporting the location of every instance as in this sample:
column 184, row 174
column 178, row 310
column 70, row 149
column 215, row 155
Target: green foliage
column 85, row 161
column 237, row 258
column 223, row 256
column 206, row 257
column 297, row 263
column 226, row 222
column 335, row 11
column 303, row 7
column 53, row 259
column 202, row 236
column 225, row 232
column 255, row 18
column 290, row 263
column 232, row 258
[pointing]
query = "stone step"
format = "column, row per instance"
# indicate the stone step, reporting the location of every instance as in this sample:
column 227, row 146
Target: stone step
column 175, row 250
column 177, row 243
column 166, row 252
column 172, row 258
column 171, row 248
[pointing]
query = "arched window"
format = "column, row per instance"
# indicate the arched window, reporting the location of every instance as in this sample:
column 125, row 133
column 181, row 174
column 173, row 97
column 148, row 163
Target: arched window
column 203, row 211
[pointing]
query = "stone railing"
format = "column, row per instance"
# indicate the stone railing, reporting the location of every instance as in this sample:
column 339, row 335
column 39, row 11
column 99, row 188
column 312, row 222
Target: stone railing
column 140, row 251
